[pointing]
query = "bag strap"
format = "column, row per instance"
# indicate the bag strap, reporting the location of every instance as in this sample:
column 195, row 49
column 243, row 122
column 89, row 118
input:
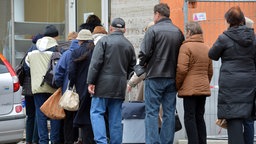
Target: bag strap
column 23, row 59
column 73, row 88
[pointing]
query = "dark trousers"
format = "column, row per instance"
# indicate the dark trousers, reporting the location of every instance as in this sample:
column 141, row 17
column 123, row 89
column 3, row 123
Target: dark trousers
column 70, row 132
column 194, row 108
column 235, row 131
column 31, row 126
column 87, row 134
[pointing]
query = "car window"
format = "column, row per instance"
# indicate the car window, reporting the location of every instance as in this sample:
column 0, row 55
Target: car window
column 3, row 68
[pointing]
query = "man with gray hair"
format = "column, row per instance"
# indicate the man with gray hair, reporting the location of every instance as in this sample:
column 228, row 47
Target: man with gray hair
column 112, row 61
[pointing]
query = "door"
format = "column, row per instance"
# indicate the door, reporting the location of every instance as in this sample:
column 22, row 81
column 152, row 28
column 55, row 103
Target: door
column 6, row 89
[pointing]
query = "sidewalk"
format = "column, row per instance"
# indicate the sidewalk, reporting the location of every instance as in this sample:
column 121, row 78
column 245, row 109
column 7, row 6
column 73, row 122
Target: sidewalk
column 208, row 142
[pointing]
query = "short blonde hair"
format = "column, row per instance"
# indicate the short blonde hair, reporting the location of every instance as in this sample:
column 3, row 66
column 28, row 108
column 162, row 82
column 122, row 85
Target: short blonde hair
column 72, row 35
column 148, row 26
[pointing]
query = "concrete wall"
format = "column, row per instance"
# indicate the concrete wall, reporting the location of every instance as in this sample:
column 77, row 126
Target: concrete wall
column 137, row 14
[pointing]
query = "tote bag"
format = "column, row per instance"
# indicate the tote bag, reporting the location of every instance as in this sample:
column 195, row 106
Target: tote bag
column 70, row 99
column 51, row 106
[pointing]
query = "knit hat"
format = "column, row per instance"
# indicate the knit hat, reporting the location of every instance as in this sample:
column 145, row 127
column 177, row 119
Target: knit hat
column 118, row 23
column 51, row 31
column 72, row 35
column 99, row 30
column 84, row 34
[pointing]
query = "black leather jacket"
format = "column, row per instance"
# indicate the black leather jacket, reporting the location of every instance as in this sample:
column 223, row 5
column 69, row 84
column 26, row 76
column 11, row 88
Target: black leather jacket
column 159, row 49
column 112, row 62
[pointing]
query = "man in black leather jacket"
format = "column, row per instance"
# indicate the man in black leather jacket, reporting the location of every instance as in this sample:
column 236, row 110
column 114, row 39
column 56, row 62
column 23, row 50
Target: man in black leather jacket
column 158, row 54
column 112, row 61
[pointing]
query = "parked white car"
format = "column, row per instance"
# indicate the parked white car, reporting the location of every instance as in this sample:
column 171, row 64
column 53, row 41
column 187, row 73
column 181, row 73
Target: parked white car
column 12, row 114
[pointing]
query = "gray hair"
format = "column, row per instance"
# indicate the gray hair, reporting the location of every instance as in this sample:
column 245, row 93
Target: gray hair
column 194, row 28
column 163, row 9
column 119, row 29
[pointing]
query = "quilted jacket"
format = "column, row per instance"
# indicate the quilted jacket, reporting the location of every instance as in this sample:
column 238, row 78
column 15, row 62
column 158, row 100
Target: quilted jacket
column 194, row 68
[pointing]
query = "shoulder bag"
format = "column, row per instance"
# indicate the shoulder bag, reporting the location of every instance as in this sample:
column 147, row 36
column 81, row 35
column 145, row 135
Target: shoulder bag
column 51, row 106
column 20, row 71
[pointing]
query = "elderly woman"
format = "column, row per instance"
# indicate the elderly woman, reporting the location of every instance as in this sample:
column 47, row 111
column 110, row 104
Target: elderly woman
column 193, row 76
column 77, row 73
column 236, row 48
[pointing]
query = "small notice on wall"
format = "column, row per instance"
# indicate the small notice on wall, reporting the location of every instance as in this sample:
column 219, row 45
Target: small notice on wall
column 199, row 16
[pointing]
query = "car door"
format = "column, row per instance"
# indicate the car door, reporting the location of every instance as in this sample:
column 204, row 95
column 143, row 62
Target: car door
column 6, row 89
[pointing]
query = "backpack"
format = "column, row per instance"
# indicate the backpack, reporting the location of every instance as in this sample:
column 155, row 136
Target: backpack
column 49, row 75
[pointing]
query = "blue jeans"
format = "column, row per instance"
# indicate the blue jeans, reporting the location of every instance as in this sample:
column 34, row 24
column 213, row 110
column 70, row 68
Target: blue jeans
column 157, row 91
column 31, row 126
column 42, row 121
column 248, row 131
column 98, row 109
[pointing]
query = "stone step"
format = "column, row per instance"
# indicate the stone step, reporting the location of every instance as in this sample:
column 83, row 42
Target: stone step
column 208, row 142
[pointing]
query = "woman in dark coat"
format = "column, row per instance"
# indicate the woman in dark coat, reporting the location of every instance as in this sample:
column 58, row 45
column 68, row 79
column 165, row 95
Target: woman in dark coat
column 236, row 48
column 78, row 69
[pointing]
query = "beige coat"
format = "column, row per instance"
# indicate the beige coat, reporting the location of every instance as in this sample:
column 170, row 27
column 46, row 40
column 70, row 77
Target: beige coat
column 138, row 81
column 38, row 61
column 194, row 68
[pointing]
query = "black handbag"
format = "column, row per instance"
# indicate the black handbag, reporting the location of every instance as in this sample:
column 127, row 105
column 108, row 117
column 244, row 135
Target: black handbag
column 26, row 88
column 20, row 71
column 178, row 125
column 133, row 110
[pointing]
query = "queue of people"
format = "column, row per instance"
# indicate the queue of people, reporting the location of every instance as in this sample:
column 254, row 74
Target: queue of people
column 99, row 64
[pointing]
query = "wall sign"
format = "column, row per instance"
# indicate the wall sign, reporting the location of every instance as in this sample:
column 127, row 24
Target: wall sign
column 199, row 16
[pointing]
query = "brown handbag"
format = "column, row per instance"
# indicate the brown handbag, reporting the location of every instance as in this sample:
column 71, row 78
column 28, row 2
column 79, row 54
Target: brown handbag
column 51, row 106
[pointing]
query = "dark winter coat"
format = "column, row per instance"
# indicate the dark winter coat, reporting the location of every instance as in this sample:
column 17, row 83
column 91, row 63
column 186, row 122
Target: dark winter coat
column 78, row 75
column 112, row 62
column 236, row 48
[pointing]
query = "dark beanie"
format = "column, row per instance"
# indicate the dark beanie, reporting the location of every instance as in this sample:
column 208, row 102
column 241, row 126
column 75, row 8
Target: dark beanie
column 51, row 31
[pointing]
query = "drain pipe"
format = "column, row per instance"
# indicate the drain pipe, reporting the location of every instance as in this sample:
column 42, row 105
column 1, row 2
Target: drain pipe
column 185, row 12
